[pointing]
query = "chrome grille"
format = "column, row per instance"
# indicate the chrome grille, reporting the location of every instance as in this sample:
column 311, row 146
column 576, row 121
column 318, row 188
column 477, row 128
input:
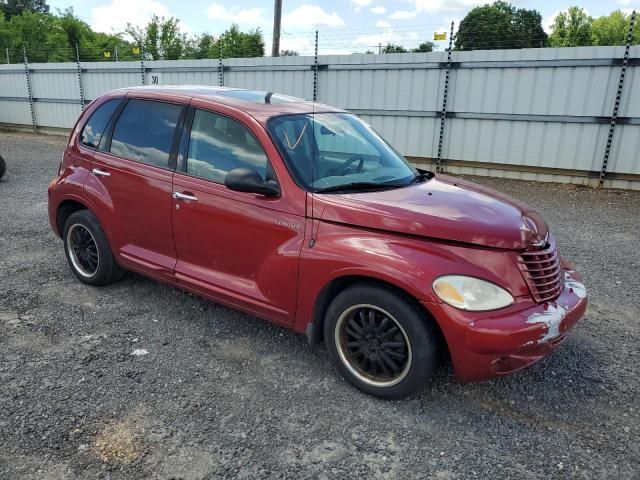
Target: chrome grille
column 542, row 271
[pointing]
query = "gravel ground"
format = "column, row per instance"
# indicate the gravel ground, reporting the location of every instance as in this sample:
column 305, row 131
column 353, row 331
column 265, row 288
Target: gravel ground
column 223, row 394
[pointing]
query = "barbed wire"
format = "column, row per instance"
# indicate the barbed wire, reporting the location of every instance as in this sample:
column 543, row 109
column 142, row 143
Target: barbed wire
column 339, row 41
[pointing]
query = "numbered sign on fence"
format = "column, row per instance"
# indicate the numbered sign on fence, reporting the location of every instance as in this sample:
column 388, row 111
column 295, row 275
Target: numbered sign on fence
column 154, row 78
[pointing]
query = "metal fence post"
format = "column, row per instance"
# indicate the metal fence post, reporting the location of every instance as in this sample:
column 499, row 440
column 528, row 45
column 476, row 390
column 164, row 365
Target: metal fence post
column 220, row 66
column 29, row 90
column 616, row 105
column 142, row 72
column 315, row 70
column 443, row 117
column 80, row 83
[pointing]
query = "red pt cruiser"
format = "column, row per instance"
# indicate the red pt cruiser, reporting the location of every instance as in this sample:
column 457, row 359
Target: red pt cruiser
column 301, row 214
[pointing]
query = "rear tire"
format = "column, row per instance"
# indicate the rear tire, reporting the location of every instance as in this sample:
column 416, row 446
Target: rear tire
column 87, row 250
column 3, row 167
column 381, row 342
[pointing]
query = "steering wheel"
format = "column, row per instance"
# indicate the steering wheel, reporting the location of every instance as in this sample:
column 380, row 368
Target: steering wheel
column 344, row 168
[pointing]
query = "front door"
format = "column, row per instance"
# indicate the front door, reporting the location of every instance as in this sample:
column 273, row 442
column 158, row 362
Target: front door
column 132, row 175
column 241, row 249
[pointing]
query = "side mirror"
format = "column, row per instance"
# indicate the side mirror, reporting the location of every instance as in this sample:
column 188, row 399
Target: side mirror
column 250, row 181
column 325, row 131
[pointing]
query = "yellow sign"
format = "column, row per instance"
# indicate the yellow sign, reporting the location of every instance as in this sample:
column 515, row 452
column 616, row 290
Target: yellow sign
column 439, row 35
column 107, row 54
column 136, row 50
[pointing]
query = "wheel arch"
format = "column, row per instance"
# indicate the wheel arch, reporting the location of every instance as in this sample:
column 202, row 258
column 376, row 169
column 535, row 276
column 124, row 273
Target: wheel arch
column 73, row 203
column 315, row 328
column 65, row 209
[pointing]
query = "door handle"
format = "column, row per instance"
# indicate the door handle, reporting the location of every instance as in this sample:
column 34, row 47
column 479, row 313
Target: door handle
column 184, row 196
column 100, row 173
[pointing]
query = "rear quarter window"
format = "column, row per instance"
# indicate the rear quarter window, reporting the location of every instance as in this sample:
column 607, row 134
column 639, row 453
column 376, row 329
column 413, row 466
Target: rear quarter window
column 97, row 123
column 145, row 130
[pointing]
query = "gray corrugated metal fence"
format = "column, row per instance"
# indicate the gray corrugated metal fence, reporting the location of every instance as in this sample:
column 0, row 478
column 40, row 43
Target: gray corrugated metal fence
column 539, row 114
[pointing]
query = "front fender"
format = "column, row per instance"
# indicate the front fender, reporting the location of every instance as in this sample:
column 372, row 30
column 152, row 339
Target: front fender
column 408, row 263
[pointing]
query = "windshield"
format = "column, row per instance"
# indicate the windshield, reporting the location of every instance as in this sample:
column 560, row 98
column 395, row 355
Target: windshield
column 326, row 151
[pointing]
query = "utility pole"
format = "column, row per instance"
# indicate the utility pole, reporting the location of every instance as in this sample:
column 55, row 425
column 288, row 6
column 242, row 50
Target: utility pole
column 8, row 62
column 277, row 17
column 116, row 53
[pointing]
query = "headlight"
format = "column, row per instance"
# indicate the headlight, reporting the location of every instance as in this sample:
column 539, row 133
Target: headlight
column 468, row 293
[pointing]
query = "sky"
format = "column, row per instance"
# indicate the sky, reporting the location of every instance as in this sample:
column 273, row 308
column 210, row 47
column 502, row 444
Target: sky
column 345, row 26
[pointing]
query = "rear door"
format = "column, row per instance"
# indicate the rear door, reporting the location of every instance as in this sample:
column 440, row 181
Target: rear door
column 239, row 248
column 131, row 176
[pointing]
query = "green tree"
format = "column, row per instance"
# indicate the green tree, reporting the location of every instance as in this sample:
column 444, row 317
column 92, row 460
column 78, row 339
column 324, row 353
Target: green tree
column 200, row 46
column 11, row 8
column 5, row 35
column 571, row 28
column 391, row 48
column 112, row 45
column 66, row 31
column 53, row 38
column 236, row 44
column 425, row 47
column 161, row 39
column 613, row 29
column 289, row 53
column 31, row 30
column 500, row 25
column 528, row 28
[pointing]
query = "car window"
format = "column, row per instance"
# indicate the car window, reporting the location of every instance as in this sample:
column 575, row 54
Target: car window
column 94, row 128
column 219, row 144
column 145, row 130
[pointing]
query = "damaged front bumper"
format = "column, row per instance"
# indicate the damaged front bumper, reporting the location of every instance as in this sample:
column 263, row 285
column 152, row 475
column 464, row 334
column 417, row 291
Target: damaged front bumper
column 488, row 344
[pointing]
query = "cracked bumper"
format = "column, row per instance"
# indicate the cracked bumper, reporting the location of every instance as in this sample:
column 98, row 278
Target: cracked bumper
column 488, row 344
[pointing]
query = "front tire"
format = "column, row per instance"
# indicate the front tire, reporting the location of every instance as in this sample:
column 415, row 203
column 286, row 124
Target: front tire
column 3, row 167
column 381, row 342
column 87, row 250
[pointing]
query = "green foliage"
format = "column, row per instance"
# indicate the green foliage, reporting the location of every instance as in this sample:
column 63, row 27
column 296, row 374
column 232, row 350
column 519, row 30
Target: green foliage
column 54, row 37
column 571, row 29
column 613, row 29
column 289, row 53
column 65, row 33
column 498, row 26
column 391, row 48
column 31, row 30
column 237, row 44
column 425, row 47
column 200, row 46
column 161, row 39
column 46, row 37
column 11, row 8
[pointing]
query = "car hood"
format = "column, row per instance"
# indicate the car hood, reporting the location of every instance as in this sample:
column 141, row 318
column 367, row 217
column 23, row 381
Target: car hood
column 443, row 208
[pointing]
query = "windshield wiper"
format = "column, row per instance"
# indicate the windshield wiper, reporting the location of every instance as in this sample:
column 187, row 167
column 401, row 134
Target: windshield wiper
column 358, row 186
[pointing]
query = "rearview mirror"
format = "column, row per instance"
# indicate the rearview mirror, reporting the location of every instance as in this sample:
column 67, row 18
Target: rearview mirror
column 250, row 181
